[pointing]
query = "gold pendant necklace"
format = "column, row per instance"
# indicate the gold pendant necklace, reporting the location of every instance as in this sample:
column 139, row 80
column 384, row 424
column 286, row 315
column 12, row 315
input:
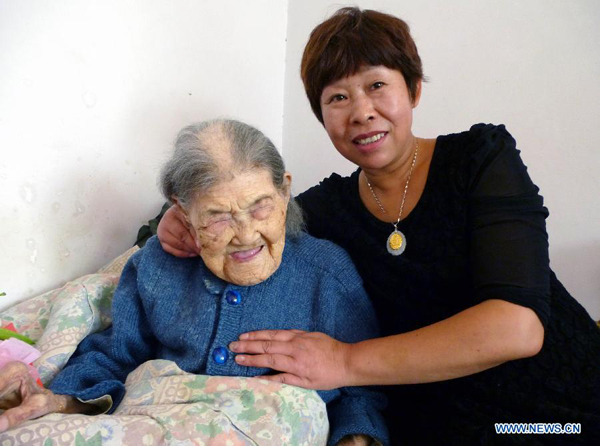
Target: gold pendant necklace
column 396, row 242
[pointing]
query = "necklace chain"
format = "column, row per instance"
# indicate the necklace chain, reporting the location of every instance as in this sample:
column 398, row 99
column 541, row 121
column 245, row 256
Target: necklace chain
column 405, row 187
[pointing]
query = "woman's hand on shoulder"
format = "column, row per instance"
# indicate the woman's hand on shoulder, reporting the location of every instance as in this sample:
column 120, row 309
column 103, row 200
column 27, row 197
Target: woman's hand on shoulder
column 175, row 236
column 23, row 399
column 309, row 360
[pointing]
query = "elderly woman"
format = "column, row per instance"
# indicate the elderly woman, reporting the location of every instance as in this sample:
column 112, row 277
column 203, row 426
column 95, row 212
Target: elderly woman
column 449, row 237
column 257, row 270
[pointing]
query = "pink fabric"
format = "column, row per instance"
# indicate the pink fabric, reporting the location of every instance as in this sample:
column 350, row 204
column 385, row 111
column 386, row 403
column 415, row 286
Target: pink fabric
column 15, row 350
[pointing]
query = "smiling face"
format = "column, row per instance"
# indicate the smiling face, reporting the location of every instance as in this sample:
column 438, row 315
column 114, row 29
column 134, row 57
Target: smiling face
column 240, row 225
column 368, row 116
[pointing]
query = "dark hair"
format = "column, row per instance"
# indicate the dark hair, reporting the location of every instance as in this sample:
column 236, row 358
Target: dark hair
column 352, row 38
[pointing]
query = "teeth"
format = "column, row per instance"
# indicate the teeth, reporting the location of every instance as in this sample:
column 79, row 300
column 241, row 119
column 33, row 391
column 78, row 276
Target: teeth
column 371, row 139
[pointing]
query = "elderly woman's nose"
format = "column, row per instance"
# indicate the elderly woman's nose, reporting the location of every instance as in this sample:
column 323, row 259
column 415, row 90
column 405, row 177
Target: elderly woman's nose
column 362, row 109
column 245, row 232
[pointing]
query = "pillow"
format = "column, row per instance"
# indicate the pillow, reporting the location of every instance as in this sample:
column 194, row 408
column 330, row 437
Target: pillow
column 59, row 319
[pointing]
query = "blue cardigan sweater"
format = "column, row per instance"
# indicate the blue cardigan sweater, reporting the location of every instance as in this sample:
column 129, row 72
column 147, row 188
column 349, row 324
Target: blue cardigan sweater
column 171, row 308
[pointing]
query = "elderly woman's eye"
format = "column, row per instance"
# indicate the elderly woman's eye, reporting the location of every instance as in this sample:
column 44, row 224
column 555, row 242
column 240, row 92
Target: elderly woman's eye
column 377, row 85
column 217, row 224
column 261, row 212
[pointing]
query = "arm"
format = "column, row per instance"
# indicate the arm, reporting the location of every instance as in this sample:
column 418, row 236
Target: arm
column 98, row 367
column 103, row 360
column 473, row 340
column 510, row 270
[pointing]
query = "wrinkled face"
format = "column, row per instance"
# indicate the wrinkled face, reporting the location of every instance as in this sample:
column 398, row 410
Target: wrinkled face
column 368, row 116
column 240, row 225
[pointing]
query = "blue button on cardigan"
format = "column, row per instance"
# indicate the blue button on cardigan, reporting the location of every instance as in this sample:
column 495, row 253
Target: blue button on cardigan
column 233, row 297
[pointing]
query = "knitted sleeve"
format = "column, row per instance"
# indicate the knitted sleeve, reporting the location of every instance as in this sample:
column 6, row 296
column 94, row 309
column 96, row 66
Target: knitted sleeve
column 357, row 410
column 103, row 360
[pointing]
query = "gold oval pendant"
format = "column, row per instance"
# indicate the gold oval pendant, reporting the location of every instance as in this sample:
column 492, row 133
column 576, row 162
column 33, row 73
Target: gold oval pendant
column 396, row 243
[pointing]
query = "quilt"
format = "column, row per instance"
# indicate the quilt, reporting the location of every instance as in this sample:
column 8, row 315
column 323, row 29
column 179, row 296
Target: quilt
column 163, row 404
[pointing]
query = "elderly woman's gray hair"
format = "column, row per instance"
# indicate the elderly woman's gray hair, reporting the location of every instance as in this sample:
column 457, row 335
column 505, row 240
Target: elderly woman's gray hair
column 192, row 169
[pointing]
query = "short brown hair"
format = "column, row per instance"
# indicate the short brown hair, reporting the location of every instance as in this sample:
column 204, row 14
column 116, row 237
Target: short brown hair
column 352, row 38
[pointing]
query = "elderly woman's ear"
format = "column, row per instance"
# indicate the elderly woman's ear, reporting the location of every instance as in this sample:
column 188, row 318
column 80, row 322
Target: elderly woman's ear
column 287, row 186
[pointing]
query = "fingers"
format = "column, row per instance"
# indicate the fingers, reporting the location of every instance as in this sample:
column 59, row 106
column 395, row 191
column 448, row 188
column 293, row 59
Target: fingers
column 176, row 251
column 175, row 236
column 11, row 371
column 22, row 397
column 272, row 335
column 181, row 244
column 11, row 397
column 34, row 406
column 13, row 377
column 188, row 242
column 266, row 346
column 281, row 363
column 9, row 394
column 184, row 235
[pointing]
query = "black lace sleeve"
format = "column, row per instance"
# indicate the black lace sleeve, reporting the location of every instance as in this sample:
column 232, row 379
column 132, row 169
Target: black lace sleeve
column 147, row 231
column 509, row 243
column 317, row 202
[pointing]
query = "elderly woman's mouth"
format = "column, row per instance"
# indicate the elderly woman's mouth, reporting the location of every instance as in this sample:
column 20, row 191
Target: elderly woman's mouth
column 246, row 255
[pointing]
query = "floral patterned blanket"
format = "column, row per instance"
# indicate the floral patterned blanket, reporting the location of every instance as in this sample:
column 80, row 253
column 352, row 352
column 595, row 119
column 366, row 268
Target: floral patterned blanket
column 163, row 405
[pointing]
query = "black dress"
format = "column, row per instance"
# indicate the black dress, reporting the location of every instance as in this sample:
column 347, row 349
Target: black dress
column 477, row 233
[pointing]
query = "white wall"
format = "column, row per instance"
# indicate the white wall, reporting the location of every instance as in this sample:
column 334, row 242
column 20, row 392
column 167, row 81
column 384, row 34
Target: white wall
column 533, row 65
column 92, row 94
